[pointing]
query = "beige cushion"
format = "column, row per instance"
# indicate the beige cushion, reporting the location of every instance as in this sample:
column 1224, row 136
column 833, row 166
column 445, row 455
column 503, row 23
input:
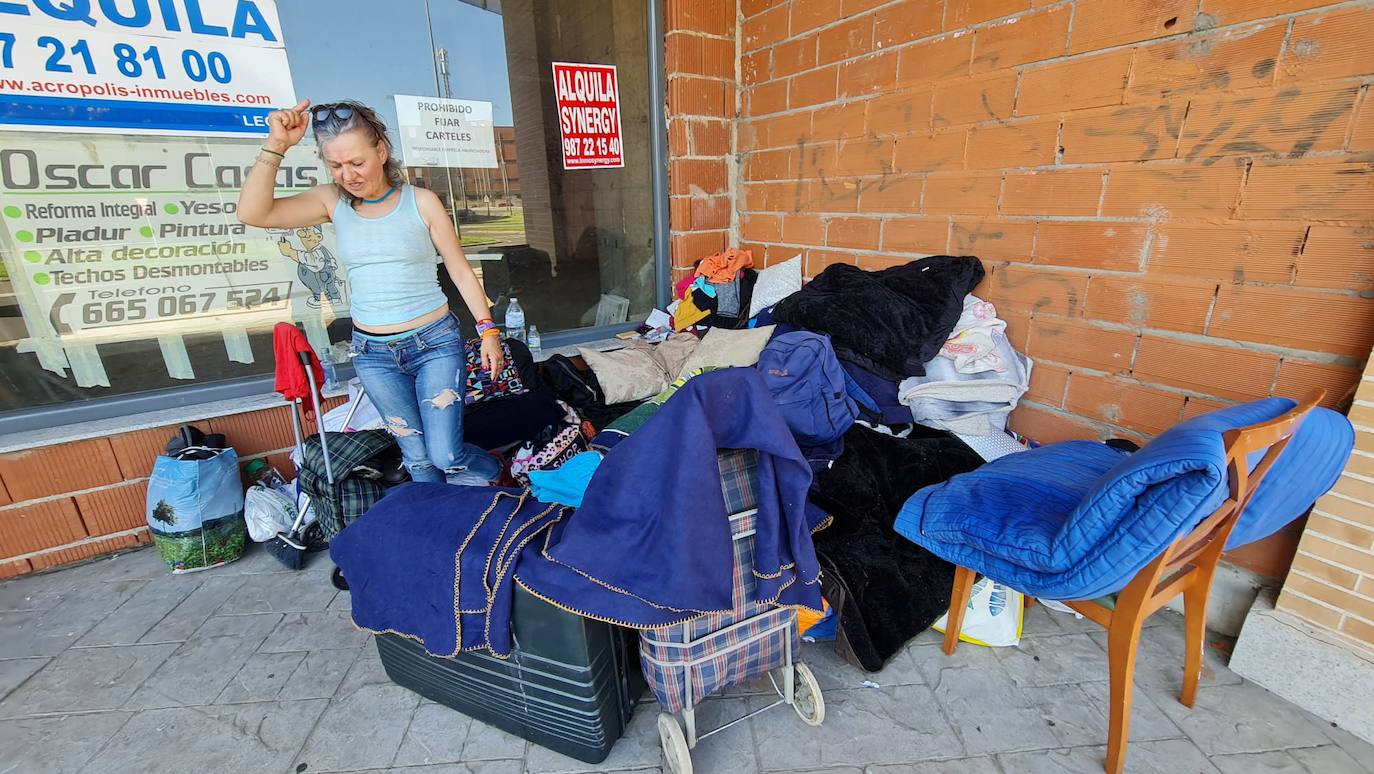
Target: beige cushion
column 726, row 348
column 674, row 351
column 633, row 373
column 640, row 370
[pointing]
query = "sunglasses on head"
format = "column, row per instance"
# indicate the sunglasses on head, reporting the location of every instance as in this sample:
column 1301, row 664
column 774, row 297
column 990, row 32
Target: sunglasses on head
column 326, row 112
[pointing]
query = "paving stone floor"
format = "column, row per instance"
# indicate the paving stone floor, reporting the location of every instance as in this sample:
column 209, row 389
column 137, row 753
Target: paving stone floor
column 117, row 666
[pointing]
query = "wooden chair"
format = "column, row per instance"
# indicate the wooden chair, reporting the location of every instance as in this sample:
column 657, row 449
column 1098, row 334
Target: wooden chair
column 1186, row 567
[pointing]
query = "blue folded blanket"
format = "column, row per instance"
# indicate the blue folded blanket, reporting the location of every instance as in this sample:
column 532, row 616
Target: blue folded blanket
column 1078, row 520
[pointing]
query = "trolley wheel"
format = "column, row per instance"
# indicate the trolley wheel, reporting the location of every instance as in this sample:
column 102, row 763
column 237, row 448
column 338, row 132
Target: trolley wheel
column 676, row 755
column 807, row 698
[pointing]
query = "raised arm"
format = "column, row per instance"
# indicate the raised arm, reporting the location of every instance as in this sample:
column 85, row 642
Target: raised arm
column 258, row 203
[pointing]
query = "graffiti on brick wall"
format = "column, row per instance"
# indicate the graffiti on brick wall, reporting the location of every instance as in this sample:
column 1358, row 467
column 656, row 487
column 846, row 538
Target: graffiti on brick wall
column 1290, row 123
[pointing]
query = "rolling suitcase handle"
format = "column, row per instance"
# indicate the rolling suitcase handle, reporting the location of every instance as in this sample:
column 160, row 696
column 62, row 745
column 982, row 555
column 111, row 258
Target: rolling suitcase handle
column 319, row 413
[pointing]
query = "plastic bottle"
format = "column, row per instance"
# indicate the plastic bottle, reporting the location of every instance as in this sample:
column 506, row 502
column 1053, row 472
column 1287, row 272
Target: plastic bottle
column 515, row 320
column 331, row 372
column 263, row 474
column 533, row 342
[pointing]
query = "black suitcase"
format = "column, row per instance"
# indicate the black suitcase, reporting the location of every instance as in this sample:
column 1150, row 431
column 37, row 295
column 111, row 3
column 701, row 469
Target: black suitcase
column 569, row 685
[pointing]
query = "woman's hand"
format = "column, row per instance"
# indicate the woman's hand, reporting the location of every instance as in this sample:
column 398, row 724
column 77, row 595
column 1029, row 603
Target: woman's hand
column 493, row 358
column 285, row 128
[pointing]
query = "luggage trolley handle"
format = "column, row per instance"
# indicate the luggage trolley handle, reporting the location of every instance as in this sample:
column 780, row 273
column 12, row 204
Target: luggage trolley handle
column 319, row 413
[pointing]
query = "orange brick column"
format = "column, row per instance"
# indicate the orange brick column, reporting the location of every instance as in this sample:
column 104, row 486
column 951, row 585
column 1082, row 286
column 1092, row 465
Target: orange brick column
column 1331, row 583
column 68, row 502
column 1314, row 645
column 700, row 60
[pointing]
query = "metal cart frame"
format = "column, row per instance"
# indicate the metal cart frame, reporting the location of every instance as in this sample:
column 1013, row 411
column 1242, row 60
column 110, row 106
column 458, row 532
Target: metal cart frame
column 799, row 687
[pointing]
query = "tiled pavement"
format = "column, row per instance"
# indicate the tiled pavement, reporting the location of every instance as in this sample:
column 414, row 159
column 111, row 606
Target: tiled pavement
column 118, row 666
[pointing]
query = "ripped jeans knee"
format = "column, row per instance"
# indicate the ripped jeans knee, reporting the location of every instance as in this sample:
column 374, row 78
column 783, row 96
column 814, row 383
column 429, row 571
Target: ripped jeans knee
column 445, row 399
column 400, row 428
column 411, row 381
column 429, row 469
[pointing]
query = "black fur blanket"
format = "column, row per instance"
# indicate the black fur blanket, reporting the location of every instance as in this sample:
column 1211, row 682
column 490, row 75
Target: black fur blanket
column 885, row 588
column 891, row 322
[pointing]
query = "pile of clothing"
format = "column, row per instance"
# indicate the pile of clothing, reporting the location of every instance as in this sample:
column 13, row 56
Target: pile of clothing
column 858, row 389
column 718, row 293
column 917, row 340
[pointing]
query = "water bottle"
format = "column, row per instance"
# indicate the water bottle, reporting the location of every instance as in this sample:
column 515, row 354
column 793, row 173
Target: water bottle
column 515, row 320
column 331, row 372
column 263, row 474
column 534, row 341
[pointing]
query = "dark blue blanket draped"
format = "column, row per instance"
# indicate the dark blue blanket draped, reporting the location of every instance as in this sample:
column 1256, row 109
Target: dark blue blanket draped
column 651, row 544
column 435, row 563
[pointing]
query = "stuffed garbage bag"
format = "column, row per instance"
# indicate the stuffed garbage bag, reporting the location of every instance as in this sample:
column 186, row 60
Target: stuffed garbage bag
column 195, row 511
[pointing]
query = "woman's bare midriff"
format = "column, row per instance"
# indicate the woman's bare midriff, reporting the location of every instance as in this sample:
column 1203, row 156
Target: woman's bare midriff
column 422, row 320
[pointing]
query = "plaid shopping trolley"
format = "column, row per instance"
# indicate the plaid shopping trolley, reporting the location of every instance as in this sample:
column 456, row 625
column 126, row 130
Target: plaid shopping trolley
column 685, row 663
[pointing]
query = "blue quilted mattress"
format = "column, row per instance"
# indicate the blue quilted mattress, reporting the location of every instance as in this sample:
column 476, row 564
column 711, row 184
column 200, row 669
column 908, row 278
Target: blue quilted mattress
column 1077, row 520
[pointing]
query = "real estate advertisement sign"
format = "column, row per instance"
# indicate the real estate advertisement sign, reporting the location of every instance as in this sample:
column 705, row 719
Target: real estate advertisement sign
column 588, row 98
column 205, row 67
column 123, row 238
column 108, row 234
column 438, row 132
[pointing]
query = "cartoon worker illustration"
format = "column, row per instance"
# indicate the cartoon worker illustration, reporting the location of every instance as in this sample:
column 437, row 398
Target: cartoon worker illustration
column 315, row 265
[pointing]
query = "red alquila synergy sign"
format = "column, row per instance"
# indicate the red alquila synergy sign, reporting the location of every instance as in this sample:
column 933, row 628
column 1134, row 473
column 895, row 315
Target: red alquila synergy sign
column 589, row 115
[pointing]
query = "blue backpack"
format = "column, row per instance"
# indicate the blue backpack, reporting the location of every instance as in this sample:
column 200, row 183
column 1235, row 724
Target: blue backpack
column 808, row 383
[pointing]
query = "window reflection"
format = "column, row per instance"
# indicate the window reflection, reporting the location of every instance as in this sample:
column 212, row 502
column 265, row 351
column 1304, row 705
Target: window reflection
column 575, row 246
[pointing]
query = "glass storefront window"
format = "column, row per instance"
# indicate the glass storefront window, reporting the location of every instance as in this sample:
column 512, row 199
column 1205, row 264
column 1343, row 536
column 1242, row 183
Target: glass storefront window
column 123, row 268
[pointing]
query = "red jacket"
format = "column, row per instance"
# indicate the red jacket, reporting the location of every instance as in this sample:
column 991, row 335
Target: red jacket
column 287, row 341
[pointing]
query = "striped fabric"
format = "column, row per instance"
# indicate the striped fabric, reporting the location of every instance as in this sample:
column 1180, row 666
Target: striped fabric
column 722, row 649
column 738, row 477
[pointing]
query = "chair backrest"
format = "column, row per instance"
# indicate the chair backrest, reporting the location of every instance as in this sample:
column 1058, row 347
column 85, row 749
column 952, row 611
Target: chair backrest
column 1270, row 437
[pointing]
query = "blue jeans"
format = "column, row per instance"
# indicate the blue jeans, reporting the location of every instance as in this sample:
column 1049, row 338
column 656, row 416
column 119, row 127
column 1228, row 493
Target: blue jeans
column 417, row 384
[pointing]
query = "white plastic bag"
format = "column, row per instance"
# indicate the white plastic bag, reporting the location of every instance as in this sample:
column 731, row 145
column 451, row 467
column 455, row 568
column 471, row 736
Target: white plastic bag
column 267, row 512
column 994, row 615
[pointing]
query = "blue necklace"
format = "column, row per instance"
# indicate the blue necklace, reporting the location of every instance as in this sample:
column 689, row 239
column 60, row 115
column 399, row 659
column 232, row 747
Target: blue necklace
column 381, row 198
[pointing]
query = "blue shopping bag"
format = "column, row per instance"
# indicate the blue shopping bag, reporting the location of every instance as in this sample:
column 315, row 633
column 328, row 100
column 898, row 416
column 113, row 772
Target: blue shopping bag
column 195, row 511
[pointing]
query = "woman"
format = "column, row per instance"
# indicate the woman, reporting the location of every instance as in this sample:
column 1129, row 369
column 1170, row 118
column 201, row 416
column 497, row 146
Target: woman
column 408, row 347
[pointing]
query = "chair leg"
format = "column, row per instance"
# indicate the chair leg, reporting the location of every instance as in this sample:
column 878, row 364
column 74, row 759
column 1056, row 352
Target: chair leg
column 1123, row 638
column 958, row 603
column 1195, row 625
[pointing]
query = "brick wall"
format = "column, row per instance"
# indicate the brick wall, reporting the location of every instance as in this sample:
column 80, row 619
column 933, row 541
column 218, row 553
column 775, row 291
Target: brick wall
column 64, row 503
column 1331, row 583
column 1173, row 200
